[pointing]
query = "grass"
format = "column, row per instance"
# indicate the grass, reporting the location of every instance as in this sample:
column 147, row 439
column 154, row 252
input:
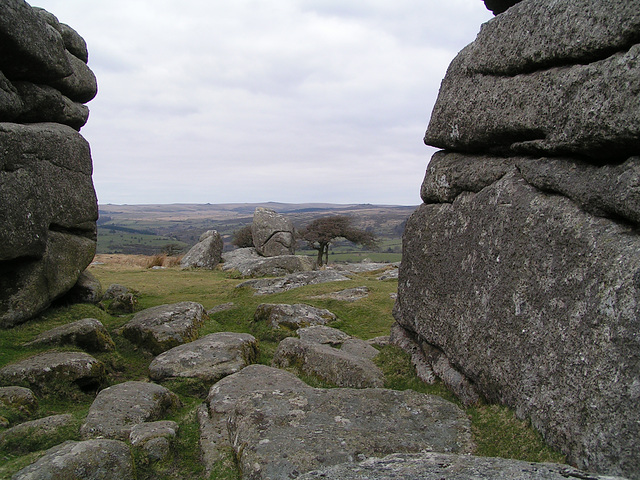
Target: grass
column 496, row 430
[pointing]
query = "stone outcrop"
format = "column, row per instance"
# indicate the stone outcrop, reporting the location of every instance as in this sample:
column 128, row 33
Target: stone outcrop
column 161, row 328
column 206, row 253
column 98, row 459
column 267, row 286
column 439, row 466
column 272, row 233
column 521, row 266
column 248, row 263
column 55, row 373
column 88, row 334
column 48, row 204
column 117, row 409
column 295, row 316
column 279, row 427
column 347, row 295
column 20, row 401
column 209, row 358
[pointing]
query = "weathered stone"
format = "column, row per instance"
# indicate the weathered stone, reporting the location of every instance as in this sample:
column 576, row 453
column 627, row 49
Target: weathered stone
column 81, row 86
column 438, row 466
column 88, row 334
column 209, row 358
column 347, row 295
column 206, row 253
column 123, row 304
column 266, row 286
column 329, row 364
column 19, row 439
column 93, row 459
column 272, row 233
column 546, row 78
column 499, row 6
column 58, row 373
column 155, row 438
column 292, row 316
column 73, row 42
column 49, row 234
column 86, row 290
column 324, row 335
column 161, row 328
column 117, row 409
column 287, row 433
column 20, row 400
column 114, row 290
column 30, row 49
column 43, row 103
column 214, row 437
column 249, row 263
column 364, row 266
column 381, row 341
column 537, row 306
column 223, row 307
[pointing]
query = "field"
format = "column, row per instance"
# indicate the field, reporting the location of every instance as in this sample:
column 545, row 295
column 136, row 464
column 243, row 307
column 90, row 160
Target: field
column 152, row 229
column 496, row 430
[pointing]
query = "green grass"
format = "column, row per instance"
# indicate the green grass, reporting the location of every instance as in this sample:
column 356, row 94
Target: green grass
column 496, row 430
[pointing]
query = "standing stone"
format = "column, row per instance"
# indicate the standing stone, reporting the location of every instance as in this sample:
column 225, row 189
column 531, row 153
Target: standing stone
column 206, row 253
column 273, row 234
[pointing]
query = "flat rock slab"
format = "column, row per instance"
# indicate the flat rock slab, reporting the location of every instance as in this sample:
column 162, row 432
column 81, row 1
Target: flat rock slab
column 249, row 263
column 364, row 267
column 338, row 339
column 58, row 373
column 283, row 434
column 438, row 466
column 266, row 286
column 154, row 437
column 92, row 459
column 117, row 409
column 347, row 295
column 161, row 328
column 88, row 334
column 209, row 358
column 330, row 364
column 293, row 316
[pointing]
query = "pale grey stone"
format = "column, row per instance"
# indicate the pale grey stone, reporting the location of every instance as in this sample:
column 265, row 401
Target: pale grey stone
column 273, row 233
column 19, row 399
column 248, row 263
column 206, row 253
column 295, row 316
column 266, row 286
column 88, row 334
column 347, row 295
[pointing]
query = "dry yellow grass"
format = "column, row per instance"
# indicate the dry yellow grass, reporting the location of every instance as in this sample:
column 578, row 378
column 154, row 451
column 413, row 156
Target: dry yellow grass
column 123, row 262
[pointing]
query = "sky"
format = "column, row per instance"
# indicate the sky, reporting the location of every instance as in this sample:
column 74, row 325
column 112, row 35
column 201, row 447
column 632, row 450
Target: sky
column 247, row 101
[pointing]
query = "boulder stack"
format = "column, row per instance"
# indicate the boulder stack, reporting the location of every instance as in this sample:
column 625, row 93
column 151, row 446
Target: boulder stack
column 48, row 204
column 522, row 266
column 272, row 233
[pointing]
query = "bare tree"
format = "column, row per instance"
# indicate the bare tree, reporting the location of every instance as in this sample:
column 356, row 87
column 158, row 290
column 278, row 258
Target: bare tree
column 322, row 231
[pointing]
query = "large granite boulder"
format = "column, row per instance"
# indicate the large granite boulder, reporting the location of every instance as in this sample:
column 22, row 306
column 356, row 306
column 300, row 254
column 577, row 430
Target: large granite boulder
column 248, row 263
column 521, row 270
column 47, row 201
column 273, row 234
column 206, row 253
column 89, row 334
column 298, row 315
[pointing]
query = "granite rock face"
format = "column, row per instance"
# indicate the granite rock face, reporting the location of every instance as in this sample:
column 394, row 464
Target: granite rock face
column 48, row 204
column 521, row 267
column 273, row 234
column 206, row 253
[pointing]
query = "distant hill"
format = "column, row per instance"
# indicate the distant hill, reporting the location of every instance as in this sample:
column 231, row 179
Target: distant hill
column 149, row 229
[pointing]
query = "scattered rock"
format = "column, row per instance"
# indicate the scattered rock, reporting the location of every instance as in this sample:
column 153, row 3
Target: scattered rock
column 96, row 460
column 123, row 304
column 391, row 274
column 248, row 263
column 86, row 290
column 161, row 328
column 324, row 335
column 220, row 308
column 329, row 364
column 266, row 286
column 114, row 290
column 88, row 334
column 155, row 438
column 292, row 316
column 273, row 234
column 20, row 438
column 117, row 409
column 209, row 358
column 206, row 253
column 437, row 466
column 56, row 373
column 363, row 266
column 287, row 433
column 347, row 295
column 381, row 341
column 20, row 400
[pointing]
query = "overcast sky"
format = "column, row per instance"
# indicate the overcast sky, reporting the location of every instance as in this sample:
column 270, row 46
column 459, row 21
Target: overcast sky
column 210, row 101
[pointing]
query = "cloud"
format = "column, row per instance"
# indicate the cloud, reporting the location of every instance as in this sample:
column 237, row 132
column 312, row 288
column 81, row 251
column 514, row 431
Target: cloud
column 293, row 101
